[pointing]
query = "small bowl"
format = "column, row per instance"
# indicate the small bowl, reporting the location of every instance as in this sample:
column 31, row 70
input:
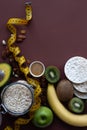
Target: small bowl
column 37, row 68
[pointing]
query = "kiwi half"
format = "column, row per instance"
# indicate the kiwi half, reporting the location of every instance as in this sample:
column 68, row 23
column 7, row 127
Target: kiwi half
column 5, row 72
column 76, row 105
column 52, row 74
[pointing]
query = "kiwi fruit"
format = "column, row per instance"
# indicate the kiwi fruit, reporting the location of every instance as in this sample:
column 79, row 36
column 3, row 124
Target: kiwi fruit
column 5, row 72
column 52, row 74
column 76, row 105
column 64, row 90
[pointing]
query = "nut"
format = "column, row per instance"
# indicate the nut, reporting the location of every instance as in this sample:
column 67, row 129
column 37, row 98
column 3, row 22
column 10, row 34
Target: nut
column 21, row 36
column 19, row 39
column 23, row 31
column 4, row 55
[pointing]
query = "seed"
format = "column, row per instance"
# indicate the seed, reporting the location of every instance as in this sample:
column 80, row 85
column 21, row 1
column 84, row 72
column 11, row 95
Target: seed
column 4, row 42
column 16, row 75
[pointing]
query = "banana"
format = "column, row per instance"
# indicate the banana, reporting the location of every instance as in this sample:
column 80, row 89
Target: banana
column 63, row 113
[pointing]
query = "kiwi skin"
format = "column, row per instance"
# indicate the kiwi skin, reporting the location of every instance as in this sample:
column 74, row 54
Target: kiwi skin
column 64, row 90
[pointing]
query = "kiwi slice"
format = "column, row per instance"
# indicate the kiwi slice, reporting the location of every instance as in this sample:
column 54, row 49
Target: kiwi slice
column 76, row 105
column 5, row 72
column 52, row 74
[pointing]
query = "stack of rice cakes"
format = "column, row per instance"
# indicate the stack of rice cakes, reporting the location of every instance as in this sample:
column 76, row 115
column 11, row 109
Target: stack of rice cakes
column 75, row 70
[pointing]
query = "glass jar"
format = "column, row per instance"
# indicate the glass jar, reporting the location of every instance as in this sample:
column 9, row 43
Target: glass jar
column 17, row 98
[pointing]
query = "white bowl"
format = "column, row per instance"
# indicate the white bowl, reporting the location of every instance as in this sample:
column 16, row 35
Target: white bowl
column 37, row 68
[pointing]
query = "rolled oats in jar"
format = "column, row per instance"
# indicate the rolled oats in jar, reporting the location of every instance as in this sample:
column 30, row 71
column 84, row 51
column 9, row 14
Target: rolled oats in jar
column 17, row 98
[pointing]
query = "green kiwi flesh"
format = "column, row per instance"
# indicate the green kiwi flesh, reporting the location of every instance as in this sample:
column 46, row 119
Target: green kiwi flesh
column 52, row 74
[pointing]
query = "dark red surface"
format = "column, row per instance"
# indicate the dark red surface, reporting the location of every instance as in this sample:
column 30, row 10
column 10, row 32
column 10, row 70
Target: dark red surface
column 57, row 32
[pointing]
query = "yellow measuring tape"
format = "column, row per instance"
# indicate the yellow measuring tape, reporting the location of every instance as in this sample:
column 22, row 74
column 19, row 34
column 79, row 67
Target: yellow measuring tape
column 21, row 60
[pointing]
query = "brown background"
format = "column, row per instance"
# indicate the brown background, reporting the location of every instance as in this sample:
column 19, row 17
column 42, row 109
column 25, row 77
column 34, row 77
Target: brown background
column 57, row 32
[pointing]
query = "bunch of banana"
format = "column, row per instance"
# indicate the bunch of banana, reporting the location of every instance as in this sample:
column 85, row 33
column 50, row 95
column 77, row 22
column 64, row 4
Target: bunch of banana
column 63, row 113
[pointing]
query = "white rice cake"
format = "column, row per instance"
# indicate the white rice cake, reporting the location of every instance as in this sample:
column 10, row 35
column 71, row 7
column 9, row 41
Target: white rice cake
column 82, row 87
column 75, row 69
column 80, row 94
